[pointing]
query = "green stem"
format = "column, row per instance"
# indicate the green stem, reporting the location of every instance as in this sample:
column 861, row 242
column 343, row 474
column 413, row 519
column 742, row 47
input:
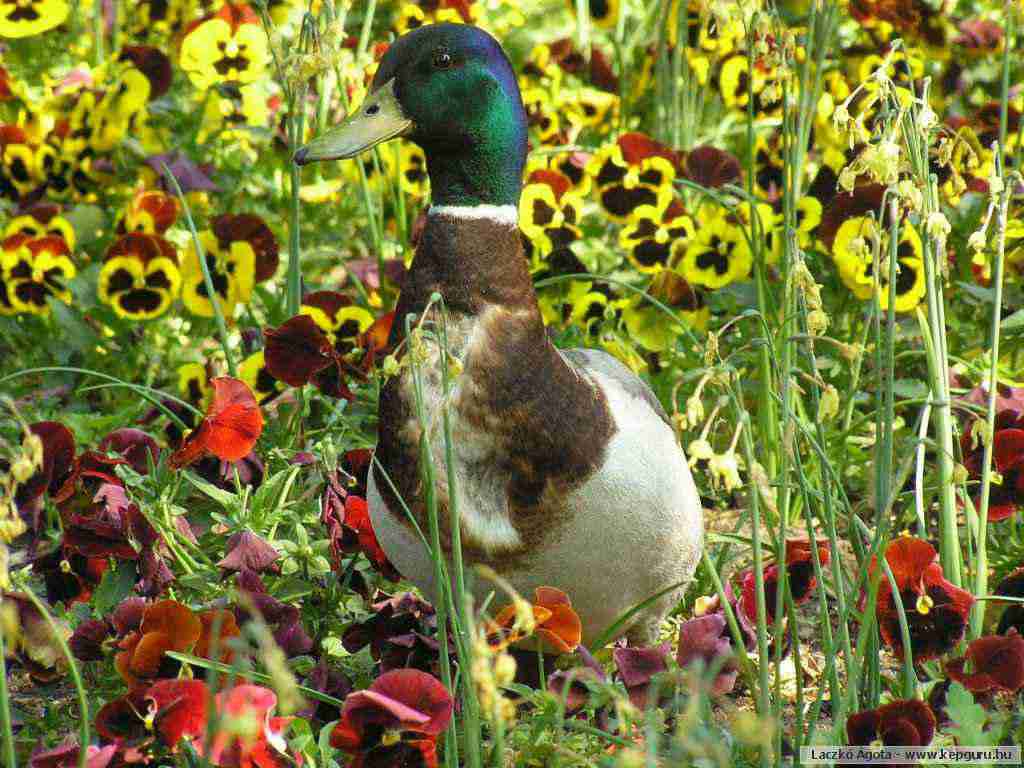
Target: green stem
column 5, row 708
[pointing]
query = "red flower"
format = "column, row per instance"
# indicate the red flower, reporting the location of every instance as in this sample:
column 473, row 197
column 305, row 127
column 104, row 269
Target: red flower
column 637, row 668
column 707, row 638
column 232, row 425
column 297, row 350
column 179, row 709
column 1008, row 459
column 996, row 663
column 249, row 737
column 1013, row 614
column 799, row 570
column 394, row 722
column 58, row 459
column 908, row 723
column 246, row 550
column 712, row 167
column 936, row 610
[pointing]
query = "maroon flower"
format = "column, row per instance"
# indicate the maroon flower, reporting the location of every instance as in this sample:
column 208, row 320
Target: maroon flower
column 909, row 723
column 712, row 167
column 401, row 634
column 297, row 350
column 327, row 680
column 395, row 722
column 799, row 570
column 247, row 551
column 58, row 459
column 707, row 638
column 282, row 618
column 100, row 529
column 347, row 518
column 1008, row 459
column 936, row 610
column 992, row 663
column 87, row 640
column 134, row 446
column 572, row 685
column 637, row 668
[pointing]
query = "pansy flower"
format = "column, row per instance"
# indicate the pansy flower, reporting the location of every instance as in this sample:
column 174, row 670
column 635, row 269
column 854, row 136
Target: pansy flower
column 851, row 251
column 654, row 235
column 799, row 567
column 636, row 170
column 343, row 322
column 936, row 610
column 40, row 220
column 401, row 633
column 229, row 46
column 549, row 211
column 637, row 668
column 18, row 167
column 413, row 170
column 151, row 212
column 706, row 638
column 908, row 723
column 230, row 429
column 120, row 111
column 249, row 735
column 572, row 165
column 1012, row 618
column 555, row 623
column 706, row 34
column 542, row 114
column 737, row 86
column 24, row 18
column 396, row 721
column 992, row 663
column 139, row 278
column 166, row 625
column 719, row 254
column 240, row 252
column 646, row 323
column 31, row 271
column 591, row 108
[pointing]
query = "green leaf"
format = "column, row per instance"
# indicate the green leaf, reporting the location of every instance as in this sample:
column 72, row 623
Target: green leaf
column 115, row 586
column 1014, row 322
column 75, row 333
column 969, row 719
column 226, row 499
column 267, row 494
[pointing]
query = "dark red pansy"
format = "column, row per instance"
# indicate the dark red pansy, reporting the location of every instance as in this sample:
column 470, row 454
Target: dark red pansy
column 134, row 446
column 121, row 720
column 283, row 619
column 398, row 717
column 992, row 663
column 908, row 723
column 246, row 550
column 297, row 350
column 400, row 633
column 230, row 428
column 330, row 681
column 127, row 617
column 178, row 708
column 87, row 641
column 637, row 668
column 166, row 625
column 69, row 577
column 100, row 529
column 637, row 147
column 936, row 610
column 707, row 638
column 712, row 167
column 800, row 572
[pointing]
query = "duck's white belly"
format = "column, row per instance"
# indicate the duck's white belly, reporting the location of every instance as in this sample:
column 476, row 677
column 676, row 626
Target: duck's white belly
column 634, row 528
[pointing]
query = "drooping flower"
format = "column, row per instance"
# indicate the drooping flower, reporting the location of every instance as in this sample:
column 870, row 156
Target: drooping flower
column 908, row 723
column 297, row 350
column 396, row 721
column 401, row 633
column 230, row 429
column 246, row 550
column 992, row 663
column 637, row 667
column 935, row 609
column 139, row 278
column 135, row 446
column 25, row 18
column 707, row 638
column 228, row 47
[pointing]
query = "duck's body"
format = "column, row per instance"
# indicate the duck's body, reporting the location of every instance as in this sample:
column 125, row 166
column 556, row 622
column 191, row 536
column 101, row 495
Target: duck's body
column 568, row 472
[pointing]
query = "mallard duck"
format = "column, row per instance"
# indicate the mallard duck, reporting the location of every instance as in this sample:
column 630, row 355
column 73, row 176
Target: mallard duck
column 569, row 472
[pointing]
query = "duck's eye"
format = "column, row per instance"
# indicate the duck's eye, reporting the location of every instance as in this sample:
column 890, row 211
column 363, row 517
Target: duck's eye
column 442, row 60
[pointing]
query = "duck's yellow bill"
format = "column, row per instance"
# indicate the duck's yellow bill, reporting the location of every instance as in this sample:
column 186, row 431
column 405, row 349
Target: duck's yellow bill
column 378, row 119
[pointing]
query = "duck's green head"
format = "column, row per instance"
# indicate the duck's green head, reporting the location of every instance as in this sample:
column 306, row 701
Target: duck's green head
column 450, row 89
